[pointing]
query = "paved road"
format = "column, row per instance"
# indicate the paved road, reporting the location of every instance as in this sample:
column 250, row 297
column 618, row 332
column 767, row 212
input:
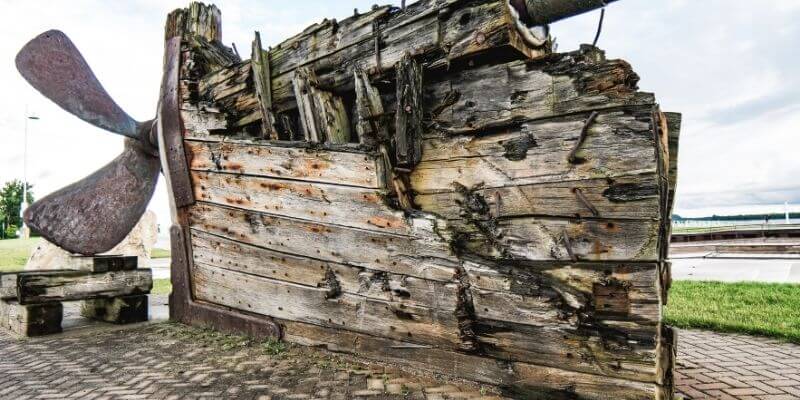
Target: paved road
column 726, row 268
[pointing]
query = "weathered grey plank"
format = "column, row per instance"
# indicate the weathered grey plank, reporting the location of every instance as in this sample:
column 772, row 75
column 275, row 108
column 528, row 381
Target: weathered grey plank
column 375, row 284
column 341, row 205
column 674, row 133
column 633, row 197
column 521, row 379
column 316, row 305
column 619, row 145
column 499, row 95
column 423, row 256
column 322, row 115
column 79, row 285
column 306, row 164
column 533, row 238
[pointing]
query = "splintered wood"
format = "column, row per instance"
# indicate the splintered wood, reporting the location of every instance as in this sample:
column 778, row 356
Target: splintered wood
column 423, row 187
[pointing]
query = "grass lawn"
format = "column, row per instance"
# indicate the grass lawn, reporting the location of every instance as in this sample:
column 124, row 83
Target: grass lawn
column 767, row 309
column 161, row 286
column 14, row 253
column 159, row 253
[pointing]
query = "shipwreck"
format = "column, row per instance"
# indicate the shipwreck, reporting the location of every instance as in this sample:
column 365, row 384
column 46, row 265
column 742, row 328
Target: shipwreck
column 429, row 185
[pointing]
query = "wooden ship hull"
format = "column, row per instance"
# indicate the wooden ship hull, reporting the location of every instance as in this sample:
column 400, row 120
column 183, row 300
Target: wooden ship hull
column 423, row 186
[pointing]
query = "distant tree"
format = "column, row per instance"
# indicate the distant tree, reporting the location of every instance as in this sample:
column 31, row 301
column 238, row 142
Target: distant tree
column 11, row 203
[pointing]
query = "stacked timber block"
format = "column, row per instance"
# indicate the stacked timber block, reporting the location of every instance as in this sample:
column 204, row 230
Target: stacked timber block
column 111, row 287
column 421, row 186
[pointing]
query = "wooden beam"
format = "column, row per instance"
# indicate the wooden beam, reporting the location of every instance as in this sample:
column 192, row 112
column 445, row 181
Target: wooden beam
column 370, row 124
column 55, row 286
column 262, row 78
column 408, row 114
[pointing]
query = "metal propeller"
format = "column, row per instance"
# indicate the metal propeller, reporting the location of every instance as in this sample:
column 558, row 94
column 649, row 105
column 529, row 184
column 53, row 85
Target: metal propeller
column 94, row 214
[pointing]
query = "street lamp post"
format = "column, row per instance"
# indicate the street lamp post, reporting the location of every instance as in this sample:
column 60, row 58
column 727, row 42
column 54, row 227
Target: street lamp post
column 24, row 231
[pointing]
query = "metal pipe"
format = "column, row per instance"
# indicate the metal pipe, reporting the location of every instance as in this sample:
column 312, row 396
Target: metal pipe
column 543, row 12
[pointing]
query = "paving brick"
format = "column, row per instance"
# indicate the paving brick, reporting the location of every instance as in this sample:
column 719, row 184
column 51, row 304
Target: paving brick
column 726, row 366
column 164, row 361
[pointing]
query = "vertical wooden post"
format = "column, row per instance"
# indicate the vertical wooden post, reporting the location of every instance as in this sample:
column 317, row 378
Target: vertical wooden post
column 262, row 78
column 322, row 114
column 369, row 109
column 408, row 119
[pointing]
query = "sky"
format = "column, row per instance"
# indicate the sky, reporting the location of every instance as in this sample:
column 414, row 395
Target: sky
column 730, row 66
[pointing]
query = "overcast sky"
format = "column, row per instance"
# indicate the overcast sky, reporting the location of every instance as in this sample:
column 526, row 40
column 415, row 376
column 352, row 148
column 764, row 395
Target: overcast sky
column 730, row 66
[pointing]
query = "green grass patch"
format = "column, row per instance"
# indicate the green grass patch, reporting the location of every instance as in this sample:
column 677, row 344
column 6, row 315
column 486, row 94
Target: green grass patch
column 768, row 309
column 14, row 253
column 161, row 286
column 159, row 253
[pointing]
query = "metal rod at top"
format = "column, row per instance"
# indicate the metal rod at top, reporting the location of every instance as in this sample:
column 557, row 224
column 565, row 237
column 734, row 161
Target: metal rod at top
column 543, row 12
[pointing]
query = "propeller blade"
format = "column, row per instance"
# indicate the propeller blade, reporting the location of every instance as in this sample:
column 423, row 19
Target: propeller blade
column 94, row 214
column 55, row 67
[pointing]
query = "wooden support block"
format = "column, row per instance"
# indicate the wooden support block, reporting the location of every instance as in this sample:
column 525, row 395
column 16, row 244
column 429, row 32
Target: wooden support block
column 79, row 285
column 103, row 263
column 31, row 320
column 118, row 310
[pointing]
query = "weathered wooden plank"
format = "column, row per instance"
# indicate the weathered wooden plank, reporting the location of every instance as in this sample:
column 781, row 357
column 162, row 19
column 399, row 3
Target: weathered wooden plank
column 375, row 284
column 408, row 113
column 117, row 310
column 369, row 111
column 532, row 238
column 674, row 132
column 317, row 306
column 341, row 205
column 423, row 256
column 627, row 197
column 322, row 115
column 306, row 164
column 619, row 145
column 262, row 80
column 80, row 285
column 519, row 379
column 31, row 320
column 504, row 94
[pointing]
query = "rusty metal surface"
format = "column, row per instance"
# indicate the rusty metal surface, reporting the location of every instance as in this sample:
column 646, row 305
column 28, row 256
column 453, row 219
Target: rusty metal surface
column 94, row 214
column 543, row 12
column 53, row 65
column 183, row 308
column 171, row 126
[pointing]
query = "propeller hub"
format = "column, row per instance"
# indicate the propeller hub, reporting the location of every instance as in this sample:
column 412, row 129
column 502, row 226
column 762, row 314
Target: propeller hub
column 148, row 136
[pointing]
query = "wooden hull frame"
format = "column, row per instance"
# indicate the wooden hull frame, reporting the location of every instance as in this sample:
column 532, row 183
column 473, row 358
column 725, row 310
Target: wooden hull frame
column 491, row 362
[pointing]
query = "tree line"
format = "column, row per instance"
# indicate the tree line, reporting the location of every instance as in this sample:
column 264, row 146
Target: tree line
column 10, row 206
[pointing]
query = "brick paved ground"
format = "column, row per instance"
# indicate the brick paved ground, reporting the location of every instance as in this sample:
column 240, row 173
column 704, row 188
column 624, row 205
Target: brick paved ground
column 171, row 361
column 725, row 366
column 166, row 361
